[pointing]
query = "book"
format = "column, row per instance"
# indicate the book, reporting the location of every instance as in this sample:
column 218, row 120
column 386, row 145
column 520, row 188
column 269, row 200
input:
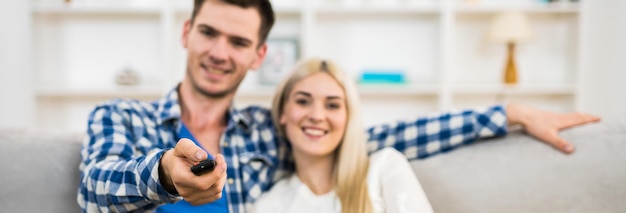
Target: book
column 382, row 76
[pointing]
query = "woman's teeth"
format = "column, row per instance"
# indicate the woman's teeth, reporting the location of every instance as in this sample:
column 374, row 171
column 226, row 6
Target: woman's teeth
column 314, row 132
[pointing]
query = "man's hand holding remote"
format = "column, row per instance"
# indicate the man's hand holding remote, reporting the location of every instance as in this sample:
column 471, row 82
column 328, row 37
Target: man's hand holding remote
column 176, row 176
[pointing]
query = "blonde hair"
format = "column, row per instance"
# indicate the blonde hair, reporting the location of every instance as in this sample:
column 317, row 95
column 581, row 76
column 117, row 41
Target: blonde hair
column 352, row 162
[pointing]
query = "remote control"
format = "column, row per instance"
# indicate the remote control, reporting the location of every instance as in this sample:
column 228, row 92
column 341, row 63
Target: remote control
column 204, row 166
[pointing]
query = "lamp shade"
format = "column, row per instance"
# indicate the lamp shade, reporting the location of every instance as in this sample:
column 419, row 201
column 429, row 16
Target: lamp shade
column 511, row 27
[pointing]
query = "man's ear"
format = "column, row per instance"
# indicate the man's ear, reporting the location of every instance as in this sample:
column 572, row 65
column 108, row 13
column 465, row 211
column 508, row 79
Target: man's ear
column 186, row 29
column 260, row 56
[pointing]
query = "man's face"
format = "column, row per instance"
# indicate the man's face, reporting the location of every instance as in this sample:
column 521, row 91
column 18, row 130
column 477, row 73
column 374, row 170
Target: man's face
column 222, row 45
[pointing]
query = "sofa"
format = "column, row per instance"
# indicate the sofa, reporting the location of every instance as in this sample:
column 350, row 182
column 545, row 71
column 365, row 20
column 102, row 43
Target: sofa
column 508, row 174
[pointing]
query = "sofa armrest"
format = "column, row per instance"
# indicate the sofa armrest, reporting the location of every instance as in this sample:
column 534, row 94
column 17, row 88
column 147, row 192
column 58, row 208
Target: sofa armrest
column 39, row 171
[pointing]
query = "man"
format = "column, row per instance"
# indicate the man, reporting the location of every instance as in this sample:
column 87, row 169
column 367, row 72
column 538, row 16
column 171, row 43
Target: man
column 135, row 157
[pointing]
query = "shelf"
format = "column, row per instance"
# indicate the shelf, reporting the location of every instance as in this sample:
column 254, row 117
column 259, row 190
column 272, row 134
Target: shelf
column 95, row 9
column 396, row 90
column 289, row 10
column 513, row 90
column 112, row 92
column 372, row 10
column 390, row 90
column 530, row 8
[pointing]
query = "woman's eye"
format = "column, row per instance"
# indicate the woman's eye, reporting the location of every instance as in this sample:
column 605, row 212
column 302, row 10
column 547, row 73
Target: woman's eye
column 302, row 101
column 333, row 106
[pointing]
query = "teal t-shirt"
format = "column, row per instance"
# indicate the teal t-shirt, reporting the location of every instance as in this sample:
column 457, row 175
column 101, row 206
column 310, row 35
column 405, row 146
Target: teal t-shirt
column 218, row 206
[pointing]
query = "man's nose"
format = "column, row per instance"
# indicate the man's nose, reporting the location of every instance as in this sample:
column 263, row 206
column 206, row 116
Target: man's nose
column 219, row 51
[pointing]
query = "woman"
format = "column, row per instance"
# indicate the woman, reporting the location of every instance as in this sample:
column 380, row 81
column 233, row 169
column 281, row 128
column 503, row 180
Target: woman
column 316, row 110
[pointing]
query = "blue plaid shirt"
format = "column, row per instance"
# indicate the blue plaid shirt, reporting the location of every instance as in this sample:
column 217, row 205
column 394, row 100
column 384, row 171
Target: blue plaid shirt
column 126, row 139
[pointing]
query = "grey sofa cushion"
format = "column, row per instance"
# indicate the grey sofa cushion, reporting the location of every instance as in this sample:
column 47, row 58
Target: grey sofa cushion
column 519, row 174
column 39, row 173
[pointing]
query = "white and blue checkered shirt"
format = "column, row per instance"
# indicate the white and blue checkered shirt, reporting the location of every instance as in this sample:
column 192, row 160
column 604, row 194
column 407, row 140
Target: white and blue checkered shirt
column 126, row 139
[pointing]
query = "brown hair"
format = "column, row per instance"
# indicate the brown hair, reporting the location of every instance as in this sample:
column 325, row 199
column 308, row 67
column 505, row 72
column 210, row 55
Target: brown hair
column 263, row 6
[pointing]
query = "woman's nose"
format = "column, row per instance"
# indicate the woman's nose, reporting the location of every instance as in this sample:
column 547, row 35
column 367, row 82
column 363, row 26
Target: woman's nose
column 317, row 113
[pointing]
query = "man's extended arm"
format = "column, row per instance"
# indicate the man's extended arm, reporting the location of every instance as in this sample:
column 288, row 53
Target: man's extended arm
column 115, row 173
column 545, row 125
column 429, row 135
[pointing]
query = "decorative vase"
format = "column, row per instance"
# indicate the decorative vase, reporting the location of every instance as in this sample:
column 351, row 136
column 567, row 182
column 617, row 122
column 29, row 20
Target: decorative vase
column 127, row 77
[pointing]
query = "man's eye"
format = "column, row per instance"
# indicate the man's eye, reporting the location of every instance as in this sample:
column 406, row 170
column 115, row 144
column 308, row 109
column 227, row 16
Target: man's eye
column 240, row 43
column 209, row 33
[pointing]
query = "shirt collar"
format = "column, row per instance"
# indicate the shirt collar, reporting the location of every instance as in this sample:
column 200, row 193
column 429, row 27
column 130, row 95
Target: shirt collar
column 168, row 108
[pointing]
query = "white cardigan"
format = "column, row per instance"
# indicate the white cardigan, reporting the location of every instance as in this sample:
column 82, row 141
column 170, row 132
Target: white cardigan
column 392, row 187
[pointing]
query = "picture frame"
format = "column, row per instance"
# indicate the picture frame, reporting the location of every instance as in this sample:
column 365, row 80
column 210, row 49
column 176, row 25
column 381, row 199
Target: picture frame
column 282, row 55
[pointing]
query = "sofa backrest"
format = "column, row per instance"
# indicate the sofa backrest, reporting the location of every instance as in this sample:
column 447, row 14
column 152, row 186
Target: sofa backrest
column 519, row 174
column 39, row 172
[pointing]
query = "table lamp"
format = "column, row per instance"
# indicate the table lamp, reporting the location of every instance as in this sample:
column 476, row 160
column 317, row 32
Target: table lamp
column 510, row 28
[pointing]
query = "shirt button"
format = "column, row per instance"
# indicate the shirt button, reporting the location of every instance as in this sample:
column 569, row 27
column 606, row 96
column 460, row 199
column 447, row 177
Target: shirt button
column 225, row 144
column 230, row 181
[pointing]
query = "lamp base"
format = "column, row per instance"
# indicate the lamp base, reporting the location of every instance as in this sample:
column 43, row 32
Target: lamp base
column 510, row 70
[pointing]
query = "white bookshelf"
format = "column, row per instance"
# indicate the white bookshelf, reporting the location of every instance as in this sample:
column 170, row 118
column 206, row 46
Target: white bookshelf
column 527, row 8
column 365, row 91
column 397, row 90
column 514, row 90
column 60, row 9
column 373, row 10
column 103, row 92
column 440, row 45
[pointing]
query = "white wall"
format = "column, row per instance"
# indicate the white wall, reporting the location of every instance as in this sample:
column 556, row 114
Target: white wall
column 604, row 56
column 16, row 88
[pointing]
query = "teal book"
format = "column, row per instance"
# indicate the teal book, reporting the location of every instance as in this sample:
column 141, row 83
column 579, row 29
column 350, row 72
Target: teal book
column 393, row 77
